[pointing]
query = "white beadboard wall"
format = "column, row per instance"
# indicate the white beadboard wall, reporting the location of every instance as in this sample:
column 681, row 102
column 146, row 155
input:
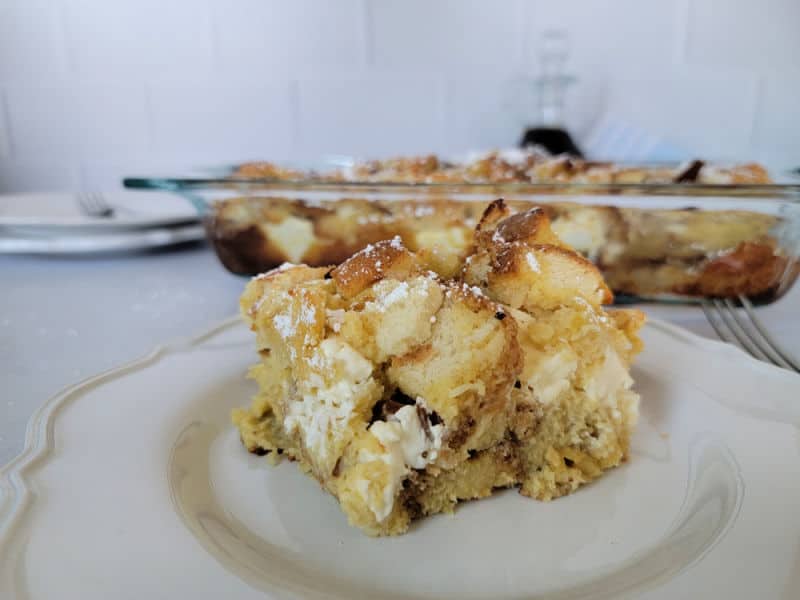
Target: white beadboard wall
column 92, row 90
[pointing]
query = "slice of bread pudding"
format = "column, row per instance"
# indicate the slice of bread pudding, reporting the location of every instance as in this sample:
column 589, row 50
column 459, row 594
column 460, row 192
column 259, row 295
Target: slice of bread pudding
column 404, row 392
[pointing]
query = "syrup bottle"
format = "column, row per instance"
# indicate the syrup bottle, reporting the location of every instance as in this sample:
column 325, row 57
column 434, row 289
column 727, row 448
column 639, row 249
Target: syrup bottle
column 551, row 84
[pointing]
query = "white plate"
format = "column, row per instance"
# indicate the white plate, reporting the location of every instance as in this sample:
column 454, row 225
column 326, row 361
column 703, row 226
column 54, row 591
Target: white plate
column 98, row 243
column 60, row 213
column 133, row 484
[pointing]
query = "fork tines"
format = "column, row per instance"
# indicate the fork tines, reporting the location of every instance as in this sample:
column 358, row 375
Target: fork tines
column 94, row 205
column 735, row 322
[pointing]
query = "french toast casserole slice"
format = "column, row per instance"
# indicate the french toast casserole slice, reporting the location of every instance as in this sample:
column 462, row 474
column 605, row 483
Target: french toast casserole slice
column 404, row 384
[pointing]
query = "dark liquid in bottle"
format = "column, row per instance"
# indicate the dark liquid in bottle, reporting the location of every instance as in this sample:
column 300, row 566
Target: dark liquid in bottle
column 553, row 139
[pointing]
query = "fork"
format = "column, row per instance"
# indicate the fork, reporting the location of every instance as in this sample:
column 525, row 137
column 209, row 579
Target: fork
column 746, row 332
column 94, row 204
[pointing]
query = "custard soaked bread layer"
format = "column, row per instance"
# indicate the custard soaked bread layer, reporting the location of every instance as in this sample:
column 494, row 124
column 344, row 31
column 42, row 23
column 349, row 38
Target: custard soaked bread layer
column 640, row 252
column 404, row 392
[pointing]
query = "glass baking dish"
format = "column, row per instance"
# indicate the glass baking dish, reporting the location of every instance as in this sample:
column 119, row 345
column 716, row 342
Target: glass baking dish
column 670, row 242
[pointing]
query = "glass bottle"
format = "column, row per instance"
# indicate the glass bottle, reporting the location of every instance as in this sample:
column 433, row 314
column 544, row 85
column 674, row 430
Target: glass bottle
column 551, row 85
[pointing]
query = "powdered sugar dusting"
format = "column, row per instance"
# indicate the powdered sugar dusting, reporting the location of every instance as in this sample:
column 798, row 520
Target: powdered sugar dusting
column 397, row 294
column 308, row 314
column 370, row 249
column 284, row 267
column 466, row 289
column 472, row 289
column 532, row 262
column 283, row 325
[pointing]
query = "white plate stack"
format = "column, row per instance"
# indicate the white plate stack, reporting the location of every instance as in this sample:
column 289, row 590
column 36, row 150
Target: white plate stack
column 60, row 223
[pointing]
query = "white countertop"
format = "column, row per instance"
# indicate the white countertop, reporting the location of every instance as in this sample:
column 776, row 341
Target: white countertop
column 64, row 319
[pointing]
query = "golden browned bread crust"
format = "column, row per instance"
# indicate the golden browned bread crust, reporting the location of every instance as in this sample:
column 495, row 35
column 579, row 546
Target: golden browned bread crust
column 644, row 253
column 525, row 167
column 513, row 251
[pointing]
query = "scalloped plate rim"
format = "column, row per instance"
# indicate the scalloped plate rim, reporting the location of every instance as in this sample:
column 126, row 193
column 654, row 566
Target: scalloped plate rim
column 17, row 493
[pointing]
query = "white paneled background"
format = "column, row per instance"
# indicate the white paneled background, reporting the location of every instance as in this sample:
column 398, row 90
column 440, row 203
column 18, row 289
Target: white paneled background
column 92, row 90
